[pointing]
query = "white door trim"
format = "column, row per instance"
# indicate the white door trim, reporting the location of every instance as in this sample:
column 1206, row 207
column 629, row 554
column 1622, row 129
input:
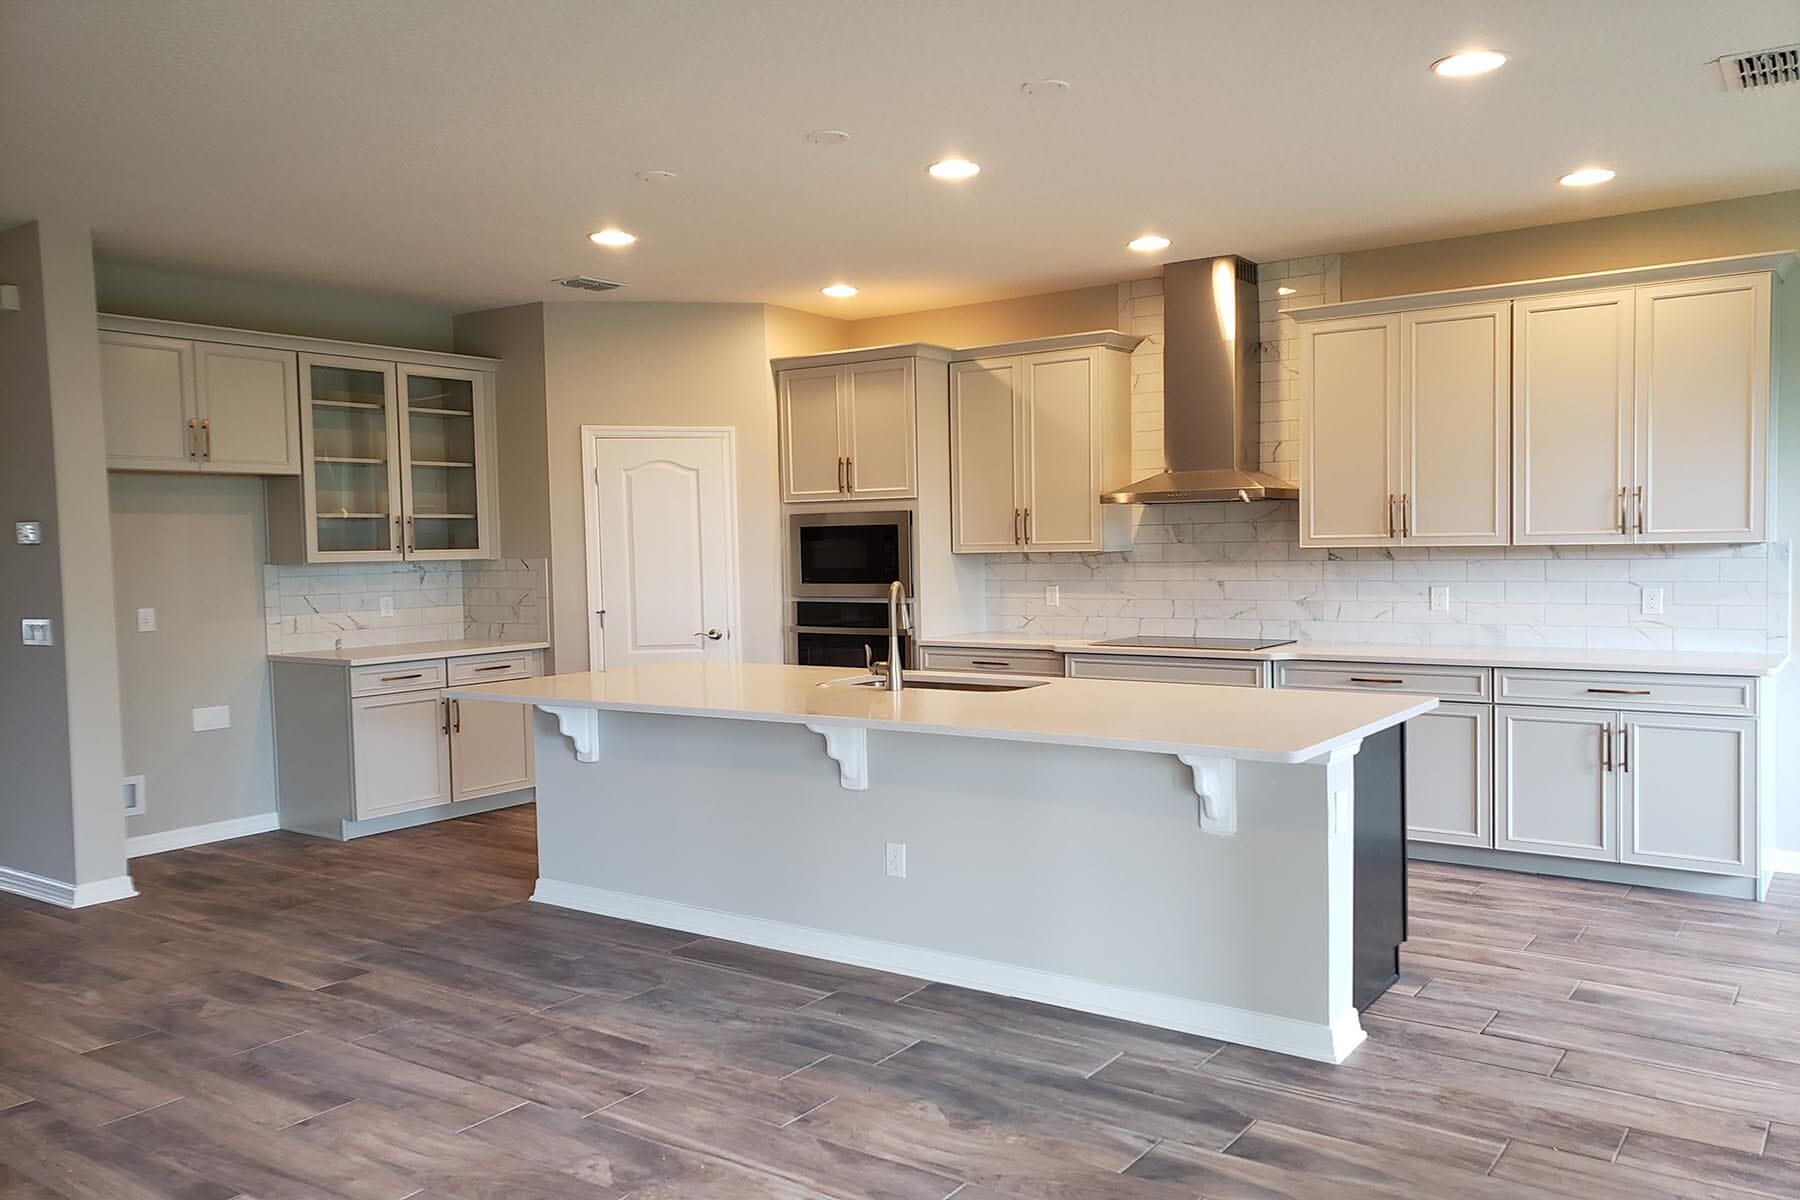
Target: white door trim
column 591, row 436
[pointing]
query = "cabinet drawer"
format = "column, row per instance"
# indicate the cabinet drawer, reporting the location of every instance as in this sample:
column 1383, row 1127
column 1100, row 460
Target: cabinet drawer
column 1220, row 672
column 1001, row 662
column 492, row 668
column 1594, row 689
column 1446, row 683
column 397, row 677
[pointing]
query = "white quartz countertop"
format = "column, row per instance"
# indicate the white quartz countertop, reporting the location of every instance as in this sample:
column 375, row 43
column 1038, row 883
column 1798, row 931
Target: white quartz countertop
column 1173, row 718
column 366, row 656
column 1482, row 656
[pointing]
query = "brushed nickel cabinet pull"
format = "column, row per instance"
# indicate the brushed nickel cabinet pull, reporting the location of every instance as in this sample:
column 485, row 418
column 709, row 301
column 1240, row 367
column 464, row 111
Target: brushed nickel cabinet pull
column 1640, row 508
column 840, row 473
column 411, row 545
column 446, row 705
column 194, row 438
column 1623, row 530
column 399, row 678
column 1606, row 748
column 1390, row 515
column 1620, row 691
column 1373, row 679
column 1028, row 526
column 206, row 434
column 1624, row 747
column 1405, row 515
column 456, row 718
column 849, row 474
column 1016, row 536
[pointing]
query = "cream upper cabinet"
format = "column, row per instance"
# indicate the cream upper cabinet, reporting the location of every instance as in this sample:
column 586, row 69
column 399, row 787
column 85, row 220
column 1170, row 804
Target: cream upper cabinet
column 1572, row 413
column 446, row 457
column 179, row 405
column 1350, row 421
column 848, row 432
column 1701, row 412
column 1035, row 438
column 1455, row 443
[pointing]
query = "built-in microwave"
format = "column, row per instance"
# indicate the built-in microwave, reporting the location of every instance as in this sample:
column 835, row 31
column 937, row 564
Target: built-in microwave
column 843, row 555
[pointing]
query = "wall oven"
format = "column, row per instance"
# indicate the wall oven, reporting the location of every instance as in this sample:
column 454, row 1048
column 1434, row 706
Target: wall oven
column 836, row 633
column 845, row 555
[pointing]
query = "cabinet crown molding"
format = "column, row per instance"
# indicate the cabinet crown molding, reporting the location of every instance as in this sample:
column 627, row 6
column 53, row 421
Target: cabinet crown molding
column 116, row 323
column 1777, row 262
column 838, row 358
column 1106, row 339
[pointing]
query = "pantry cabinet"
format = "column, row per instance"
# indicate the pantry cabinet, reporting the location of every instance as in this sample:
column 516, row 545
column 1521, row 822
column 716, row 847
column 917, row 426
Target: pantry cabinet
column 1038, row 430
column 181, row 405
column 848, row 431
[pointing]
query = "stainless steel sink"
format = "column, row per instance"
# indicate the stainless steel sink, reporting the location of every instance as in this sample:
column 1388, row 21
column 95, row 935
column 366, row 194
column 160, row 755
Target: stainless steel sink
column 940, row 681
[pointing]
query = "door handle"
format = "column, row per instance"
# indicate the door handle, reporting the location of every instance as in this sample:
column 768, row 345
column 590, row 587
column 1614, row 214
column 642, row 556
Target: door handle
column 711, row 634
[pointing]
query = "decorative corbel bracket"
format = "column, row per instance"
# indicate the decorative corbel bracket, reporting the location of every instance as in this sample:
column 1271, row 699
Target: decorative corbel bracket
column 581, row 726
column 848, row 746
column 1215, row 784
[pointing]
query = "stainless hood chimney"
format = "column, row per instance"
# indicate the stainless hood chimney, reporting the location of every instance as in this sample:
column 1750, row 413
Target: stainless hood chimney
column 1212, row 390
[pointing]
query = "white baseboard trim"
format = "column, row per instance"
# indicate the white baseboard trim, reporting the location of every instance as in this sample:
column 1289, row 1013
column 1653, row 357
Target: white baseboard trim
column 65, row 895
column 200, row 835
column 1320, row 1042
column 1785, row 862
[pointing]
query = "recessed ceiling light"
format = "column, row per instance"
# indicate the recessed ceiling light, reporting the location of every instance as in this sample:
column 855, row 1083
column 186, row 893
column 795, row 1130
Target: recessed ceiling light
column 1045, row 87
column 1284, row 291
column 954, row 168
column 612, row 237
column 1147, row 243
column 840, row 291
column 1587, row 177
column 827, row 137
column 656, row 176
column 1469, row 62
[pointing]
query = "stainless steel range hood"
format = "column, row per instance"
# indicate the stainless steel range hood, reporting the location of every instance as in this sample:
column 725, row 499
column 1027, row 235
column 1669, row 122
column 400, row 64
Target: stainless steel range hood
column 1212, row 390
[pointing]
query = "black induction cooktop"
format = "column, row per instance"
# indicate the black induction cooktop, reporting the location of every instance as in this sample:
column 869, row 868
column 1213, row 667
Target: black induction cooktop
column 1159, row 642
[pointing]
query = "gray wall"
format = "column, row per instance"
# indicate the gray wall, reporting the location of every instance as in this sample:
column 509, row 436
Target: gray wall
column 59, row 706
column 192, row 548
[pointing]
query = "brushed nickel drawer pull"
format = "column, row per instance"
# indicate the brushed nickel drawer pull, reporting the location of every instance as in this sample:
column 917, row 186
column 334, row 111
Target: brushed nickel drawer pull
column 1620, row 691
column 398, row 678
column 988, row 662
column 1369, row 679
column 497, row 667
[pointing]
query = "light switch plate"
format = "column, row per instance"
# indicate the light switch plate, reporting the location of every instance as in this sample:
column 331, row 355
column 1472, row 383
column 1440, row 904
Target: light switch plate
column 1653, row 601
column 146, row 620
column 216, row 717
column 29, row 533
column 387, row 606
column 9, row 297
column 896, row 859
column 1440, row 599
column 36, row 631
column 1053, row 595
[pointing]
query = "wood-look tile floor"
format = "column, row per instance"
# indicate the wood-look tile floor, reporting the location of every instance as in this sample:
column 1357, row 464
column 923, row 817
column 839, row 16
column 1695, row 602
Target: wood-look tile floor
column 279, row 1017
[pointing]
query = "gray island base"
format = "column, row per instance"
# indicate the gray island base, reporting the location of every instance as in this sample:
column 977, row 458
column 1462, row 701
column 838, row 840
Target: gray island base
column 1174, row 855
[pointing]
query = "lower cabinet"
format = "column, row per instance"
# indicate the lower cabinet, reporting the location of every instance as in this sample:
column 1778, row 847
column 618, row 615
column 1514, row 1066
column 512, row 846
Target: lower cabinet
column 1450, row 776
column 1558, row 792
column 362, row 744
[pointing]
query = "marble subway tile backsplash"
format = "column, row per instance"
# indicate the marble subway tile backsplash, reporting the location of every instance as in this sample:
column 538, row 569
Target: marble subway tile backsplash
column 1237, row 570
column 329, row 606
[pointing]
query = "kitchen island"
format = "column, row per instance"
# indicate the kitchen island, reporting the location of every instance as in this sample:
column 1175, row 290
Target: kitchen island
column 1176, row 855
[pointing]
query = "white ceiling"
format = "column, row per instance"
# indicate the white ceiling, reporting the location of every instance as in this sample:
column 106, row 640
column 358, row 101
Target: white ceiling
column 459, row 151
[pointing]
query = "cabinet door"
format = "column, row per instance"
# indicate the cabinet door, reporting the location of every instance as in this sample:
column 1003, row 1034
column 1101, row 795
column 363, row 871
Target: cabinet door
column 402, row 751
column 1060, row 432
column 1449, row 775
column 249, row 402
column 812, row 434
column 1572, row 418
column 1558, row 793
column 147, row 401
column 350, row 475
column 881, row 434
column 1702, row 411
column 490, row 748
column 445, row 462
column 984, row 455
column 1349, row 414
column 1456, row 426
column 1689, row 788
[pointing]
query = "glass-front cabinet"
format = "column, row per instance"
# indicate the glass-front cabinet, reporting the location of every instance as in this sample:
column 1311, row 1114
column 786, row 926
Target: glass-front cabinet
column 397, row 463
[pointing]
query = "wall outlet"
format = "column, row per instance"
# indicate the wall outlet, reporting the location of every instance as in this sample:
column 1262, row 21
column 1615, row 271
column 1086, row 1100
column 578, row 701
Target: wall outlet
column 35, row 631
column 216, row 717
column 29, row 533
column 896, row 859
column 387, row 606
column 1653, row 603
column 1440, row 599
column 1053, row 595
column 135, row 804
column 146, row 620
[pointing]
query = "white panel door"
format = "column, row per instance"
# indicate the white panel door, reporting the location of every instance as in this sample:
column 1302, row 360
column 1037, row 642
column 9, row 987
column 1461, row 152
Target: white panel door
column 881, row 433
column 1456, row 426
column 1558, row 791
column 662, row 547
column 984, row 455
column 490, row 748
column 1060, row 500
column 249, row 400
column 1689, row 792
column 1572, row 383
column 402, row 752
column 1702, row 410
column 148, row 404
column 1350, row 418
column 813, row 441
column 1449, row 775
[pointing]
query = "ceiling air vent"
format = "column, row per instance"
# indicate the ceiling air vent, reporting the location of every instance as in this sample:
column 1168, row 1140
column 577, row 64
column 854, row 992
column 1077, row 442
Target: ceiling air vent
column 1761, row 68
column 589, row 283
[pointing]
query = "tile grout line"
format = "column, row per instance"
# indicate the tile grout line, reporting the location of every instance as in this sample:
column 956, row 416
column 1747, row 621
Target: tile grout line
column 1153, row 1145
column 809, row 1112
column 1115, row 1058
